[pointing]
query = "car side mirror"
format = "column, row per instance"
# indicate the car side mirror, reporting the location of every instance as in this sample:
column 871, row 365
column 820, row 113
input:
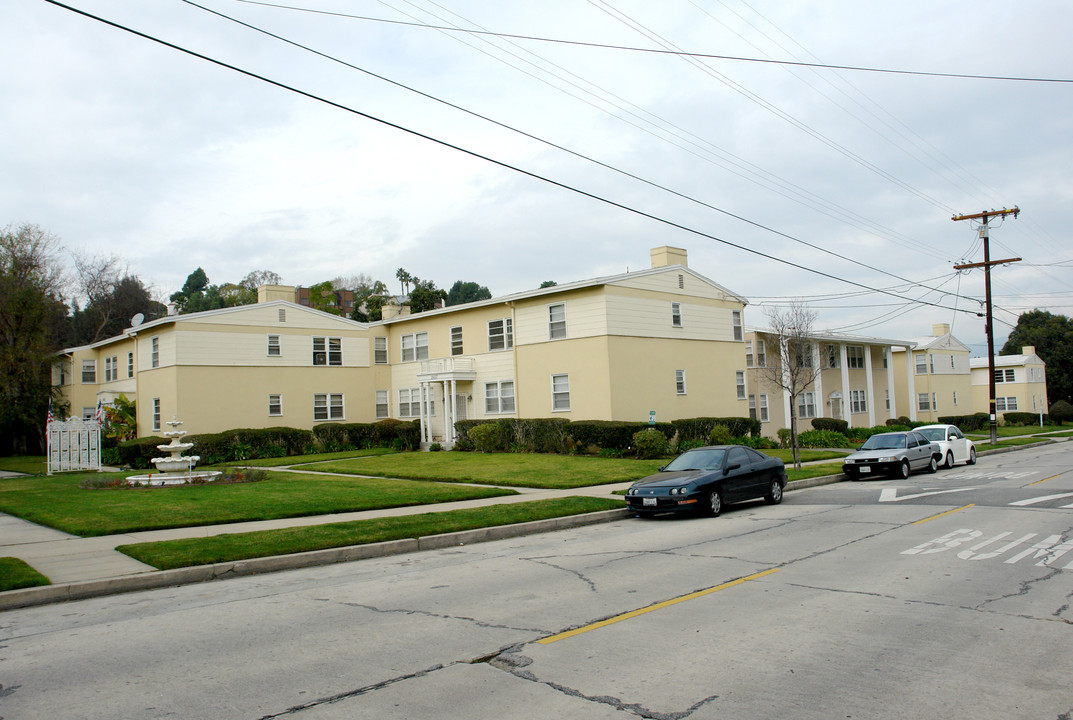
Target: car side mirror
column 732, row 466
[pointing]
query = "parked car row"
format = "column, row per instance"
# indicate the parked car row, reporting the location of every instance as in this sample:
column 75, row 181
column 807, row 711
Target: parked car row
column 900, row 453
column 705, row 479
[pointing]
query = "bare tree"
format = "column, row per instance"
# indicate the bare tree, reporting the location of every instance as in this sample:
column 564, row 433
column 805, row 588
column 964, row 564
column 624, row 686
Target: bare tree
column 794, row 368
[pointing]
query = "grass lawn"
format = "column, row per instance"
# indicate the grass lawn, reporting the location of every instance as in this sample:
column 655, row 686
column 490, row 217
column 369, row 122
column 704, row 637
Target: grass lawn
column 810, row 471
column 1015, row 430
column 15, row 574
column 29, row 464
column 222, row 548
column 306, row 459
column 517, row 469
column 57, row 501
column 1008, row 442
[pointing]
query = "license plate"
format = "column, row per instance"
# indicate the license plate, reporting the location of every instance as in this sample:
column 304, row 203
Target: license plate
column 649, row 501
column 864, row 469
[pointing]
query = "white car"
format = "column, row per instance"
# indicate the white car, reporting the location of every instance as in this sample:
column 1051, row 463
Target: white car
column 955, row 446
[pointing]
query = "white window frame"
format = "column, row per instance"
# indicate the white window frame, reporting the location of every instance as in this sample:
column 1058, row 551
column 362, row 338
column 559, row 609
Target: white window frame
column 273, row 346
column 680, row 381
column 500, row 334
column 557, row 321
column 560, row 392
column 456, row 340
column 920, row 360
column 328, row 407
column 834, row 356
column 156, row 414
column 410, row 403
column 130, row 364
column 383, row 405
column 1005, row 375
column 275, row 405
column 749, row 354
column 739, row 383
column 329, row 350
column 735, row 321
column 380, row 356
column 764, row 416
column 89, row 372
column 923, row 402
column 154, row 352
column 858, row 401
column 855, row 357
column 1006, row 404
column 676, row 314
column 499, row 397
column 806, row 405
column 761, row 353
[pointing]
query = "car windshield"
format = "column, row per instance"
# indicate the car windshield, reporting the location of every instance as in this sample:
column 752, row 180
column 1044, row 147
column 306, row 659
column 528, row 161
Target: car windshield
column 697, row 460
column 884, row 442
column 933, row 433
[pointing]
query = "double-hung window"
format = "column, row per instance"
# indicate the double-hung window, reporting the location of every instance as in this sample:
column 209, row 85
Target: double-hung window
column 560, row 393
column 89, row 372
column 557, row 321
column 456, row 340
column 834, row 357
column 154, row 352
column 328, row 406
column 275, row 405
column 156, row 413
column 130, row 364
column 680, row 381
column 381, row 404
column 500, row 334
column 758, row 411
column 763, row 408
column 855, row 356
column 806, row 405
column 749, row 354
column 410, row 403
column 499, row 397
column 739, row 381
column 380, row 350
column 921, row 363
column 1004, row 375
column 327, row 351
column 414, row 347
column 735, row 319
column 676, row 314
column 273, row 345
column 1005, row 404
column 857, row 401
column 923, row 401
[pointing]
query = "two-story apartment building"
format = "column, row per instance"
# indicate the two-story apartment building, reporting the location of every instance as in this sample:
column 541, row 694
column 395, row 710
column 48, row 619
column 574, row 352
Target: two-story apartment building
column 854, row 380
column 1020, row 383
column 666, row 340
column 933, row 377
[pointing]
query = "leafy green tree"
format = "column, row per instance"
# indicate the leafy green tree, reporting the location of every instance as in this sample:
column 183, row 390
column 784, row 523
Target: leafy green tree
column 369, row 300
column 548, row 283
column 112, row 300
column 122, row 419
column 322, row 297
column 405, row 279
column 31, row 309
column 425, row 295
column 1052, row 336
column 464, row 292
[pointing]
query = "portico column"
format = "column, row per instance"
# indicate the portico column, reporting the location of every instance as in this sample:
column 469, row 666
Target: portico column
column 847, row 392
column 454, row 409
column 893, row 410
column 817, row 363
column 869, row 386
column 910, row 371
column 446, row 407
column 421, row 412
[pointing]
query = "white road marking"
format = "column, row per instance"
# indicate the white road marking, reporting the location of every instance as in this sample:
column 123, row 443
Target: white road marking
column 1040, row 499
column 891, row 494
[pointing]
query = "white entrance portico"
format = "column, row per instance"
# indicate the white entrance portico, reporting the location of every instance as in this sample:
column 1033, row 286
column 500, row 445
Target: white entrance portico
column 451, row 381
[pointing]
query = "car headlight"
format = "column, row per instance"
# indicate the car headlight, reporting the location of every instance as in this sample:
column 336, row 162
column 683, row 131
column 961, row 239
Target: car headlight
column 679, row 491
column 888, row 458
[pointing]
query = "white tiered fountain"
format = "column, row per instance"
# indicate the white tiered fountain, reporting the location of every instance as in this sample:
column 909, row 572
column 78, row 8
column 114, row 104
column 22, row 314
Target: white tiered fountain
column 176, row 468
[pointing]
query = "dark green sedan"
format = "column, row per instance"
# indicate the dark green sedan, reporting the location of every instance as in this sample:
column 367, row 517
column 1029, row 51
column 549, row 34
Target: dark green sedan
column 704, row 479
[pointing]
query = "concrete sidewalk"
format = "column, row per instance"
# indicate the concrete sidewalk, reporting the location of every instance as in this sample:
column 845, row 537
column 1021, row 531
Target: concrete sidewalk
column 87, row 567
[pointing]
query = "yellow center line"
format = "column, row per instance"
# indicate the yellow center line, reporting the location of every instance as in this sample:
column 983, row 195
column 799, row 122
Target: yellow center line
column 1038, row 482
column 948, row 512
column 650, row 608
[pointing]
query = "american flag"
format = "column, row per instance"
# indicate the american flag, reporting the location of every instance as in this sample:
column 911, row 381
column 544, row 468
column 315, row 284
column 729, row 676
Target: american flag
column 50, row 417
column 99, row 415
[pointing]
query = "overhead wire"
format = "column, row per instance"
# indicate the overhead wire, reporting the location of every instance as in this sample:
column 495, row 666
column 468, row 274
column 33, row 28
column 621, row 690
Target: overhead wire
column 474, row 154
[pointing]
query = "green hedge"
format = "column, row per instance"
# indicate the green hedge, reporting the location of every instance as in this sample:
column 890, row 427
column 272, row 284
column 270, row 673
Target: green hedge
column 830, row 424
column 336, row 437
column 967, row 423
column 1023, row 418
column 700, row 428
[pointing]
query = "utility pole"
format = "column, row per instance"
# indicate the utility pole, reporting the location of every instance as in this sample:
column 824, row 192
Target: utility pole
column 986, row 265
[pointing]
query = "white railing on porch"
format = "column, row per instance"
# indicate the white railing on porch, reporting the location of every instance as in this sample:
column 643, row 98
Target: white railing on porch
column 448, row 365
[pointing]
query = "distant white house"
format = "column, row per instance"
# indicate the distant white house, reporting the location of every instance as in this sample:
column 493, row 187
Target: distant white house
column 1020, row 383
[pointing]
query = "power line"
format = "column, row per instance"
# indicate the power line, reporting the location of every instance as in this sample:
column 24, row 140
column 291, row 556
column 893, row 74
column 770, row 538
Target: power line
column 474, row 154
column 665, row 51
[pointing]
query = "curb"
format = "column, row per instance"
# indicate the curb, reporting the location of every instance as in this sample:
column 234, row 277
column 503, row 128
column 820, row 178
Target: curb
column 46, row 594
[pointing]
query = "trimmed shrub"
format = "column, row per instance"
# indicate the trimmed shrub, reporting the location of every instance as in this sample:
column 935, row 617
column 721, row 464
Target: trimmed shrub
column 1061, row 411
column 821, row 439
column 967, row 423
column 138, row 453
column 757, row 443
column 1022, row 418
column 612, row 433
column 720, row 435
column 486, row 438
column 700, row 428
column 651, row 443
column 785, row 437
column 831, row 424
column 904, row 421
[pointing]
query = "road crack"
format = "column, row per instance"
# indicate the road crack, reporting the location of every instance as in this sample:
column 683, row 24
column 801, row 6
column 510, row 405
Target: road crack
column 441, row 616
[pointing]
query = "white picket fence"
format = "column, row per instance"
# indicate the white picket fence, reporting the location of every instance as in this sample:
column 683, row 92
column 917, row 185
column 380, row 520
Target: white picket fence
column 74, row 444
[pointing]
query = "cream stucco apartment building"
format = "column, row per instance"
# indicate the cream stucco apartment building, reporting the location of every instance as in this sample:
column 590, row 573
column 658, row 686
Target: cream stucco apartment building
column 666, row 340
column 1020, row 383
column 934, row 377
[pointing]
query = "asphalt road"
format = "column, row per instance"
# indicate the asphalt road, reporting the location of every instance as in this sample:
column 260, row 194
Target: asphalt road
column 943, row 596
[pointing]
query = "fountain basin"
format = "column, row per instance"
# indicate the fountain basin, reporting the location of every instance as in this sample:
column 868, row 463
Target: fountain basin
column 175, row 478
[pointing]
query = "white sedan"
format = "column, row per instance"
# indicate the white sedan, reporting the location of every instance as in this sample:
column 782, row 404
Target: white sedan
column 955, row 446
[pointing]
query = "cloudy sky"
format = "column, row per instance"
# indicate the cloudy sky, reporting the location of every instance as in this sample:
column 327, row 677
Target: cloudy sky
column 370, row 158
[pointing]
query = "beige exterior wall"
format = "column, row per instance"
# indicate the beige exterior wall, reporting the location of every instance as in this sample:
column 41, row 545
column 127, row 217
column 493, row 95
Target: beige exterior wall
column 946, row 381
column 1029, row 393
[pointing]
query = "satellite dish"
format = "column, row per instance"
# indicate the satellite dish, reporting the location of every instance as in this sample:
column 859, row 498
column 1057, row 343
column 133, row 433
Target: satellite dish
column 137, row 320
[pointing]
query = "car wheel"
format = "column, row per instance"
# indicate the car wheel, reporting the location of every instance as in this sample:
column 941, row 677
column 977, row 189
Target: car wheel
column 715, row 503
column 949, row 460
column 933, row 465
column 774, row 496
column 972, row 456
column 903, row 470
